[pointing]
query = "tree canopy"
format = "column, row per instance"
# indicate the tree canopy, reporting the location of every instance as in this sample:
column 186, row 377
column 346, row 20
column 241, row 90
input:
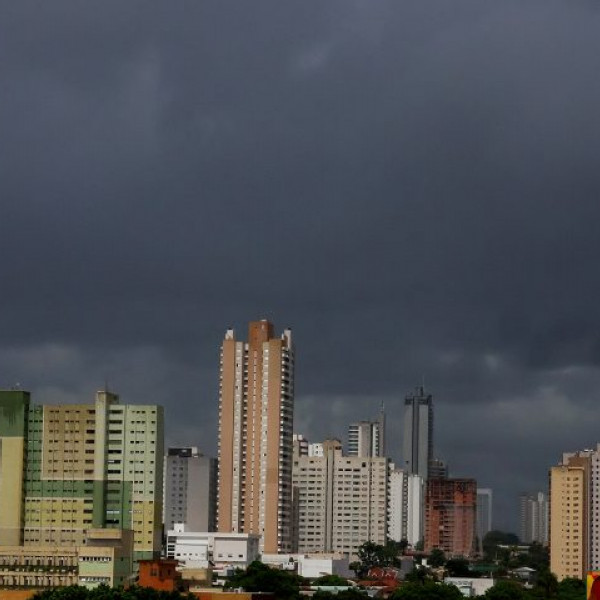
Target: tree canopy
column 351, row 594
column 458, row 567
column 506, row 590
column 428, row 590
column 546, row 588
column 495, row 538
column 437, row 558
column 103, row 592
column 258, row 577
column 571, row 589
column 375, row 555
column 330, row 580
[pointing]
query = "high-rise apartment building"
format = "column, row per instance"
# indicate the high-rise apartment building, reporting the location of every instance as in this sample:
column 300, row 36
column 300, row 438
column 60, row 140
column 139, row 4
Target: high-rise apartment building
column 533, row 518
column 574, row 529
column 450, row 510
column 83, row 466
column 340, row 501
column 190, row 493
column 484, row 512
column 569, row 517
column 594, row 510
column 367, row 438
column 418, row 432
column 256, row 412
column 405, row 506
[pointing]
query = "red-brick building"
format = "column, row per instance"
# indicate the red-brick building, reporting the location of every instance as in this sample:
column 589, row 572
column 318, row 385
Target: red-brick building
column 450, row 511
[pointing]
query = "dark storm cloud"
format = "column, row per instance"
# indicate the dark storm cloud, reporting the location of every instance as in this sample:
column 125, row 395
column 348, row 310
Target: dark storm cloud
column 412, row 186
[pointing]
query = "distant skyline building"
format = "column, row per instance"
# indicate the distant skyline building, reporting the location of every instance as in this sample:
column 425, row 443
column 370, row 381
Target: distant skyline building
column 438, row 468
column 340, row 501
column 190, row 490
column 418, row 432
column 405, row 509
column 367, row 438
column 484, row 512
column 533, row 518
column 450, row 516
column 256, row 413
column 68, row 468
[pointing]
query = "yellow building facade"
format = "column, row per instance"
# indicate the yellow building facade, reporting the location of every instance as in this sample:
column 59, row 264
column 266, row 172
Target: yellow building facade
column 65, row 469
column 569, row 517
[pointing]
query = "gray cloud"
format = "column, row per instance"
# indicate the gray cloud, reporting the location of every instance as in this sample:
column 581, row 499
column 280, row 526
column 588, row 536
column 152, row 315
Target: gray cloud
column 411, row 186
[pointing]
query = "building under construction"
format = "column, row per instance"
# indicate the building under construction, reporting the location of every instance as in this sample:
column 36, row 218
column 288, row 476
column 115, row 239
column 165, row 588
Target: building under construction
column 450, row 516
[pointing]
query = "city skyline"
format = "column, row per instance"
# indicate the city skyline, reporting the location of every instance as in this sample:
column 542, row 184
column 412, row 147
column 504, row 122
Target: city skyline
column 411, row 186
column 184, row 453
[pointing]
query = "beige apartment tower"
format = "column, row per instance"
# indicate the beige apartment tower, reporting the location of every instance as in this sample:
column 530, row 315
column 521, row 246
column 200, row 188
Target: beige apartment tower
column 340, row 502
column 569, row 509
column 256, row 412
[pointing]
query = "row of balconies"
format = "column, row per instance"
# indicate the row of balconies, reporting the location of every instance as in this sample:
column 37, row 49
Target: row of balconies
column 37, row 569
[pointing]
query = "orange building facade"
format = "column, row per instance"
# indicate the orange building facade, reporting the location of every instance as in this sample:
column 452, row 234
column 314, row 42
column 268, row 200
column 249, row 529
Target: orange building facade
column 256, row 409
column 450, row 516
column 160, row 574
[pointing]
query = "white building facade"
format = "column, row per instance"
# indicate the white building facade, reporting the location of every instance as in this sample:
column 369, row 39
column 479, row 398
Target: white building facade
column 405, row 506
column 199, row 550
column 311, row 566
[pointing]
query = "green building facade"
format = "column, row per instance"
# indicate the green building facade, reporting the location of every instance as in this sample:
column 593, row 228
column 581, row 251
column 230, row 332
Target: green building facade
column 68, row 468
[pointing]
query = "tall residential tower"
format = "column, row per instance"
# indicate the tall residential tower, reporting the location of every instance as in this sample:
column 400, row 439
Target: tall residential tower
column 418, row 432
column 256, row 412
column 574, row 514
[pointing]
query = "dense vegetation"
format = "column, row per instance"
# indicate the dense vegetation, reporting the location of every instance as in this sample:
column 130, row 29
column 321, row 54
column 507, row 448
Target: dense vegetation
column 546, row 588
column 258, row 577
column 502, row 549
column 103, row 592
column 374, row 555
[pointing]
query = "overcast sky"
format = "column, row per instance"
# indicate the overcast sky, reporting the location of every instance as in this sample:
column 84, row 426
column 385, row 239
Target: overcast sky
column 412, row 185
